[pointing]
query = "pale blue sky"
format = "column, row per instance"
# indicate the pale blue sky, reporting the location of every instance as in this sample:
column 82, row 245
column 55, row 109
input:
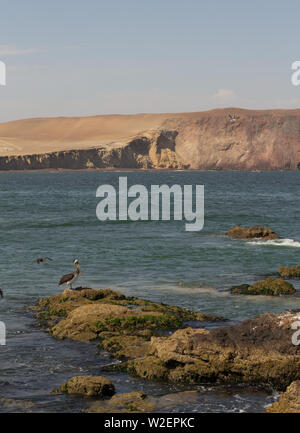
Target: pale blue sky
column 73, row 58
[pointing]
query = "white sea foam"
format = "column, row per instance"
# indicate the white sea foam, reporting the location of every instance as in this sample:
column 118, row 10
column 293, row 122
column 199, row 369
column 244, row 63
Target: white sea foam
column 276, row 242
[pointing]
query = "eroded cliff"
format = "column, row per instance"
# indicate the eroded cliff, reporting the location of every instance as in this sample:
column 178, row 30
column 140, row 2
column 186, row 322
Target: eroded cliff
column 224, row 139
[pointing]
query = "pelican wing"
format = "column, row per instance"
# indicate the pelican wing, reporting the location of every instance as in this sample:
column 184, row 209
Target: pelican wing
column 65, row 278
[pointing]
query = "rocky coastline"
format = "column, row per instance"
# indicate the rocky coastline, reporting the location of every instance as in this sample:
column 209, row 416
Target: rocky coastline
column 257, row 351
column 221, row 139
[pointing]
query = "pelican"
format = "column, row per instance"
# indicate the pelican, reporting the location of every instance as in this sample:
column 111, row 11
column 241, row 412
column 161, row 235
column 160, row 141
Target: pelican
column 1, row 293
column 42, row 259
column 69, row 279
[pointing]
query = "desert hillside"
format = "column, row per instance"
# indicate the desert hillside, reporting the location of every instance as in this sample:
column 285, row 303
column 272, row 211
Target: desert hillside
column 230, row 138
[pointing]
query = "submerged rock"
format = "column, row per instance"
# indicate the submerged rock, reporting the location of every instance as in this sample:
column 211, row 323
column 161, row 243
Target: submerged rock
column 88, row 386
column 252, row 232
column 140, row 402
column 289, row 401
column 258, row 351
column 123, row 325
column 17, row 405
column 269, row 286
column 130, row 402
column 285, row 271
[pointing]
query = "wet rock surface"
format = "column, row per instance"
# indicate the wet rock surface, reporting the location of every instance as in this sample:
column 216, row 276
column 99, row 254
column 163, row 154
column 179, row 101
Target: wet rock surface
column 293, row 271
column 252, row 232
column 89, row 386
column 289, row 401
column 129, row 402
column 122, row 325
column 141, row 402
column 269, row 287
column 257, row 351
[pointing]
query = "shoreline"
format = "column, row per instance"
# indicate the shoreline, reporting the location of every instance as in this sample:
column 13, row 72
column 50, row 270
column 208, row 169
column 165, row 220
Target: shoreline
column 129, row 329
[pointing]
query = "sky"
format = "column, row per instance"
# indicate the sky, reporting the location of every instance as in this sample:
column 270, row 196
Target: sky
column 79, row 58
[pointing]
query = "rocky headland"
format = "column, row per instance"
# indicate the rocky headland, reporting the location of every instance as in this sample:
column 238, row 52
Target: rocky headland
column 220, row 139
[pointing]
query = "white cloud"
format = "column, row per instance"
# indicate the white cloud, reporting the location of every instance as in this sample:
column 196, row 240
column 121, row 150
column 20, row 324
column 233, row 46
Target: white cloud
column 9, row 50
column 224, row 96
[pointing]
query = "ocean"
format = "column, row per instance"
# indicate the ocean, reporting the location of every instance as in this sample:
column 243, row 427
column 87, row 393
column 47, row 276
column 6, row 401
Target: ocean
column 54, row 215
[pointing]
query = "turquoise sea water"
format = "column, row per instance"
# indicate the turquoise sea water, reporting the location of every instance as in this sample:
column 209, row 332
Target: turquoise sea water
column 54, row 214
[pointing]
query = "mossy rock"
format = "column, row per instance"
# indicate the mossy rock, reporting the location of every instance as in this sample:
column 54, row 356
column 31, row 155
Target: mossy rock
column 89, row 386
column 123, row 325
column 124, row 346
column 293, row 271
column 269, row 287
column 128, row 402
column 257, row 351
column 289, row 401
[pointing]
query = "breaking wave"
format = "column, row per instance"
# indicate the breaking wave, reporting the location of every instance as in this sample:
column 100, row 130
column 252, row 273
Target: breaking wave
column 276, row 243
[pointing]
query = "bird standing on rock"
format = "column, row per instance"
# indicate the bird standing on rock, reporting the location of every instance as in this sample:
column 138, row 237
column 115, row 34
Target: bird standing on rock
column 69, row 279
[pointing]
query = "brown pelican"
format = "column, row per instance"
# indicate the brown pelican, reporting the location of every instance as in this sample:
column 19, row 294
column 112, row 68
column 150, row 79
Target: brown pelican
column 1, row 293
column 69, row 279
column 42, row 259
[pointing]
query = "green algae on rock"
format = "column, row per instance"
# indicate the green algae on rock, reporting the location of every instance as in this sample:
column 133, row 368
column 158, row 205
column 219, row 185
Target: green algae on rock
column 128, row 402
column 258, row 351
column 88, row 386
column 285, row 271
column 269, row 287
column 123, row 325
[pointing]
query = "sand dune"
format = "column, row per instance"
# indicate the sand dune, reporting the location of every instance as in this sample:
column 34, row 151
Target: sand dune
column 41, row 135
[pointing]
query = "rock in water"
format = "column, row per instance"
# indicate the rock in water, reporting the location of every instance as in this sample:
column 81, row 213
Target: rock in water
column 130, row 402
column 269, row 286
column 289, row 401
column 262, row 232
column 123, row 326
column 258, row 351
column 88, row 386
column 285, row 271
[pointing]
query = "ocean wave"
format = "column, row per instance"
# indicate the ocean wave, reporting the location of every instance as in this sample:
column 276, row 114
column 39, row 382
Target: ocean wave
column 276, row 242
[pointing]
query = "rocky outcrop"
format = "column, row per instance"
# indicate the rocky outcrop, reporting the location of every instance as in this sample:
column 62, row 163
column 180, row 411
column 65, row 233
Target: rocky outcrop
column 222, row 139
column 89, row 386
column 289, row 401
column 257, row 351
column 121, row 325
column 269, row 287
column 289, row 272
column 262, row 232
